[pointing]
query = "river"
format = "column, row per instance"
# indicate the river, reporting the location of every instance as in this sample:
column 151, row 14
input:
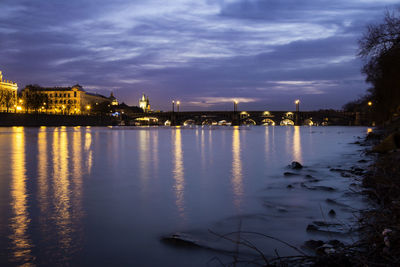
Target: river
column 103, row 196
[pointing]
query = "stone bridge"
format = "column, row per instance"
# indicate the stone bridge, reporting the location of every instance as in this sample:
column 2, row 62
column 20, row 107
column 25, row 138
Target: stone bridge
column 322, row 117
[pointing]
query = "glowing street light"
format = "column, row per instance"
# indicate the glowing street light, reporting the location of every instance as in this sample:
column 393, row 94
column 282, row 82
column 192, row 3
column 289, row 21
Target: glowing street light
column 369, row 103
column 297, row 102
column 173, row 106
column 235, row 105
column 177, row 105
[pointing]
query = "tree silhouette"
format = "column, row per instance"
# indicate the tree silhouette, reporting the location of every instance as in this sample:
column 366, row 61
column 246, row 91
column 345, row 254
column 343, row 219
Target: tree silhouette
column 380, row 50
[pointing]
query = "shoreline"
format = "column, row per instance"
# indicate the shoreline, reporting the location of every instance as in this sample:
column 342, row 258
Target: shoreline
column 379, row 224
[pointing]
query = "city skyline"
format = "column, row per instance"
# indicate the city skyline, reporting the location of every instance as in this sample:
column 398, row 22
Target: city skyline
column 263, row 54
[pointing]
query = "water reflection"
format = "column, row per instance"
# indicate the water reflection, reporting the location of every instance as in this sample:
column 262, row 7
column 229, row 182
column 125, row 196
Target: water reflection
column 42, row 169
column 21, row 243
column 61, row 186
column 297, row 144
column 77, row 190
column 88, row 150
column 43, row 184
column 178, row 172
column 237, row 176
column 144, row 151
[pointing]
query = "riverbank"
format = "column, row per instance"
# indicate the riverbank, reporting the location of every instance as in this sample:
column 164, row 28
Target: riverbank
column 379, row 225
column 35, row 120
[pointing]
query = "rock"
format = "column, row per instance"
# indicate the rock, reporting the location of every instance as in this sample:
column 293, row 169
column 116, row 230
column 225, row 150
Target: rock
column 289, row 174
column 332, row 213
column 313, row 244
column 344, row 174
column 335, row 243
column 325, row 224
column 318, row 187
column 180, row 240
column 390, row 143
column 336, row 170
column 312, row 228
column 281, row 209
column 296, row 165
column 324, row 188
column 334, row 202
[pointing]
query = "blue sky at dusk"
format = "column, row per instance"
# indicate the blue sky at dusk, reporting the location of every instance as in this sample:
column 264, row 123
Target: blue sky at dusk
column 264, row 53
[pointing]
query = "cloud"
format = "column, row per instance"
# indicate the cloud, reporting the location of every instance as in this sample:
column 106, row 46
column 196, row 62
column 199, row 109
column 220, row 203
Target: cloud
column 264, row 51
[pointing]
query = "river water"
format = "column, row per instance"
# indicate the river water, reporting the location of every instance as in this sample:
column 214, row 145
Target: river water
column 106, row 196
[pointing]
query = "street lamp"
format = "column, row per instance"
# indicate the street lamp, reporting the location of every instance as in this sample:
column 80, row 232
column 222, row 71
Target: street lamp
column 177, row 105
column 369, row 103
column 88, row 109
column 297, row 102
column 173, row 106
column 235, row 105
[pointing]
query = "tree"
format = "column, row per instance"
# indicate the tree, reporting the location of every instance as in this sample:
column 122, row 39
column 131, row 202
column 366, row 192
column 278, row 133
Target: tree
column 7, row 99
column 380, row 50
column 34, row 100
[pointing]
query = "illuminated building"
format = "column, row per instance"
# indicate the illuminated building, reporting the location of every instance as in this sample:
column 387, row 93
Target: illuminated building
column 60, row 100
column 144, row 103
column 113, row 100
column 8, row 95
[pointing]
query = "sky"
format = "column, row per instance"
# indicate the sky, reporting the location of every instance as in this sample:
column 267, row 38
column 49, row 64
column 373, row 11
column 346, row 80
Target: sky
column 262, row 53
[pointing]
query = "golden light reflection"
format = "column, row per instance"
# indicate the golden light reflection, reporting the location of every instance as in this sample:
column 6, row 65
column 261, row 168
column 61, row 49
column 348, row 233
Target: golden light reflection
column 297, row 144
column 178, row 172
column 61, row 186
column 237, row 176
column 155, row 151
column 202, row 150
column 369, row 130
column 88, row 150
column 43, row 184
column 144, row 152
column 19, row 201
column 267, row 144
column 77, row 171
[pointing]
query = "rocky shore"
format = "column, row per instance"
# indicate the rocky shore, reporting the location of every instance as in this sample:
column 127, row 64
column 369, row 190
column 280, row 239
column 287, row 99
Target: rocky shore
column 379, row 225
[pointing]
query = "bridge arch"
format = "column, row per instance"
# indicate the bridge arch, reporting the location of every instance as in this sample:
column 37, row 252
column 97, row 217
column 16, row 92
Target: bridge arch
column 266, row 114
column 289, row 115
column 209, row 122
column 223, row 123
column 249, row 121
column 267, row 122
column 141, row 121
column 286, row 122
column 189, row 122
column 244, row 115
column 308, row 122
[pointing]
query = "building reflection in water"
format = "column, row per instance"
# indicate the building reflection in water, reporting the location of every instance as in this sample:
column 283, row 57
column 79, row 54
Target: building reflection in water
column 297, row 144
column 43, row 185
column 144, row 152
column 77, row 190
column 88, row 150
column 19, row 223
column 155, row 152
column 178, row 171
column 61, row 188
column 237, row 175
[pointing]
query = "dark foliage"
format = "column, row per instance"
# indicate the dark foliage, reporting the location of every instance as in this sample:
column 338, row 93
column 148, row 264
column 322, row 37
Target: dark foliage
column 380, row 49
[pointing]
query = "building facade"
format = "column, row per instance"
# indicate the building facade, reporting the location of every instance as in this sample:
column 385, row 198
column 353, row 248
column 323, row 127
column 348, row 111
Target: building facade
column 8, row 95
column 144, row 103
column 60, row 100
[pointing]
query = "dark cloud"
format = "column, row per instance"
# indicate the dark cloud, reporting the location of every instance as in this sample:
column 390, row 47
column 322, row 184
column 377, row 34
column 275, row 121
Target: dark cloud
column 266, row 53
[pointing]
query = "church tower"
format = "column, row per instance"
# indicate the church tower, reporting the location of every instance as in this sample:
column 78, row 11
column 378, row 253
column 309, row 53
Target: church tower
column 144, row 103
